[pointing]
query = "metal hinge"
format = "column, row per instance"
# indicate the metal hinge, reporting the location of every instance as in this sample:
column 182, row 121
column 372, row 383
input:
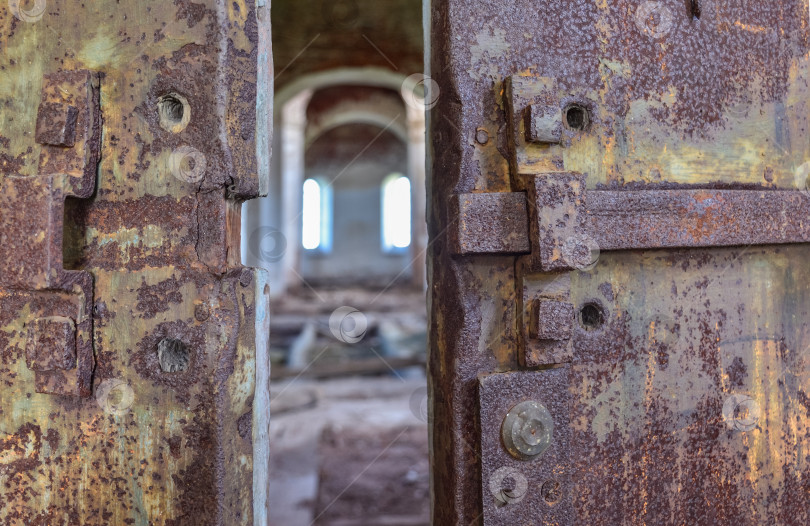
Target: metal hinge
column 59, row 341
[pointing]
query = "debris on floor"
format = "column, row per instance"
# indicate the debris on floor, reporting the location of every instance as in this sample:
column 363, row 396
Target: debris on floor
column 349, row 451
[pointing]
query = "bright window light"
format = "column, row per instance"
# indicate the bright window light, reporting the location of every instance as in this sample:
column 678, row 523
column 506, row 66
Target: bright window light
column 396, row 211
column 313, row 221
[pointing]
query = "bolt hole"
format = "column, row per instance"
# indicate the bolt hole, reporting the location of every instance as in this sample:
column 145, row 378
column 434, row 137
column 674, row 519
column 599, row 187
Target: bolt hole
column 694, row 7
column 174, row 112
column 591, row 316
column 576, row 117
column 172, row 108
column 173, row 355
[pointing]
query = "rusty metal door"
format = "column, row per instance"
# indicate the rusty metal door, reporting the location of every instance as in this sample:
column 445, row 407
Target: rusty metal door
column 620, row 290
column 133, row 387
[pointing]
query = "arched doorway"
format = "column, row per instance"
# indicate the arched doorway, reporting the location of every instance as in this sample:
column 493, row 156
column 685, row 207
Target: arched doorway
column 271, row 227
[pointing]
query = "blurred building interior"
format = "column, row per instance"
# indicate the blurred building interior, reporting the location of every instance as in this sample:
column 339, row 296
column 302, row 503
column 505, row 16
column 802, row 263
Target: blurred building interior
column 343, row 237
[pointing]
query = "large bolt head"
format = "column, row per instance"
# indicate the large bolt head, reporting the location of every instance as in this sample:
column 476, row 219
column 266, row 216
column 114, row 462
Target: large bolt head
column 527, row 430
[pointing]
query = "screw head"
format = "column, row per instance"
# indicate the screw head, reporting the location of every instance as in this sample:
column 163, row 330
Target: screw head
column 481, row 136
column 551, row 491
column 527, row 430
column 246, row 277
column 201, row 312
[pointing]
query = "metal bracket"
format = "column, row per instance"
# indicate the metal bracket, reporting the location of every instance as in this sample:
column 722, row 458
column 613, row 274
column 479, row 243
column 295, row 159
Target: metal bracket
column 535, row 124
column 525, row 487
column 548, row 319
column 491, row 223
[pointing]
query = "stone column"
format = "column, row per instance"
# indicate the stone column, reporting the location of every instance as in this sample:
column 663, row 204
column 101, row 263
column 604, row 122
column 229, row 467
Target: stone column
column 416, row 173
column 292, row 127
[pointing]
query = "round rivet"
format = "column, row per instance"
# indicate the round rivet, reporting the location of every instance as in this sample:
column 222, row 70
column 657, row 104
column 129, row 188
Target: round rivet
column 481, row 136
column 201, row 312
column 551, row 491
column 527, row 430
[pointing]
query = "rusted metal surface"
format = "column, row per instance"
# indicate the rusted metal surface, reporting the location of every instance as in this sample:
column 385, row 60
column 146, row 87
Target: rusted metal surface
column 56, row 124
column 489, row 224
column 557, row 236
column 551, row 320
column 543, row 124
column 120, row 232
column 689, row 381
column 695, row 218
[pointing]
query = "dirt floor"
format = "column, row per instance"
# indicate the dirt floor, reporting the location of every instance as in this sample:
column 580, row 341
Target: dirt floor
column 350, row 452
column 348, row 425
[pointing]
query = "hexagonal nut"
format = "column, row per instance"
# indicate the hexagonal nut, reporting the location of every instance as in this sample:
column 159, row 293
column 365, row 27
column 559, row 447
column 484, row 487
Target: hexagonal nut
column 551, row 320
column 543, row 124
column 51, row 344
column 527, row 430
column 56, row 124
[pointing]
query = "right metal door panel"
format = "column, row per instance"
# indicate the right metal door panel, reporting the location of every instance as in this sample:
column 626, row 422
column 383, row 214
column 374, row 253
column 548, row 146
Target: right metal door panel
column 689, row 369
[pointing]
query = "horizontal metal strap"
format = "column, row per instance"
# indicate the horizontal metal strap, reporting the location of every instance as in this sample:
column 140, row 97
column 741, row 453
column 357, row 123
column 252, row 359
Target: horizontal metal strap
column 569, row 224
column 561, row 223
column 618, row 220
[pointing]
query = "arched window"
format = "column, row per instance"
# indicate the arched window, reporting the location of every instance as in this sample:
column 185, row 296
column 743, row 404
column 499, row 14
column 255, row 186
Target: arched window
column 316, row 232
column 396, row 213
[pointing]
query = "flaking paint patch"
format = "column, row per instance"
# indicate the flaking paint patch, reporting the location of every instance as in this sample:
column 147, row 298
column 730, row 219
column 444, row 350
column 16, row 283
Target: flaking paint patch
column 497, row 312
column 490, row 48
column 150, row 236
column 100, row 51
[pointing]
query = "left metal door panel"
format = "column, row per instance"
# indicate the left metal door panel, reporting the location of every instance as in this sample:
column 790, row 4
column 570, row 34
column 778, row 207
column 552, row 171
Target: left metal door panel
column 128, row 327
